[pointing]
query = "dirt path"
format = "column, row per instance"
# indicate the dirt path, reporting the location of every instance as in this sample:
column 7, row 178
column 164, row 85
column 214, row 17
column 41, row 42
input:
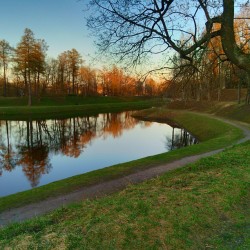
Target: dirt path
column 108, row 187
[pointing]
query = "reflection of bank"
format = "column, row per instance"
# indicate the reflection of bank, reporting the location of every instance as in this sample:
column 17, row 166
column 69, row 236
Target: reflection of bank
column 180, row 138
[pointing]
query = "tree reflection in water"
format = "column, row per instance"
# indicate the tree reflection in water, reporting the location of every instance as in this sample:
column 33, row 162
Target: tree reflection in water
column 180, row 138
column 35, row 162
column 29, row 145
column 7, row 155
column 36, row 140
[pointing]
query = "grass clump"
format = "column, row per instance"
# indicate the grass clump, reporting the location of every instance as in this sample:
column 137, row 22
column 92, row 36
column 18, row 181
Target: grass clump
column 203, row 205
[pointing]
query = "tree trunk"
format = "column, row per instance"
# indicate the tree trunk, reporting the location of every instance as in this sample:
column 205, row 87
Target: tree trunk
column 38, row 87
column 239, row 92
column 5, row 81
column 248, row 88
column 219, row 83
column 73, row 83
column 230, row 47
column 62, row 81
column 26, row 83
column 8, row 138
column 28, row 134
column 29, row 90
column 218, row 94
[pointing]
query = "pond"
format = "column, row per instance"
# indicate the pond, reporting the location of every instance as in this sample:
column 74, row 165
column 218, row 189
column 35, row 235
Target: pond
column 35, row 153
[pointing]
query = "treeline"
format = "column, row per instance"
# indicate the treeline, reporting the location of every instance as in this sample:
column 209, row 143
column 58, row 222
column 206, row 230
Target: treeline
column 27, row 71
column 211, row 71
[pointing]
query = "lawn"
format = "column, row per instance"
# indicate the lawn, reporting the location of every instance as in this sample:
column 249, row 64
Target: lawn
column 71, row 106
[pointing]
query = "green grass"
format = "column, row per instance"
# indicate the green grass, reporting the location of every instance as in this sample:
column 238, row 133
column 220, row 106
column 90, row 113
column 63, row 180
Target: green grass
column 230, row 110
column 201, row 206
column 212, row 133
column 66, row 100
column 70, row 106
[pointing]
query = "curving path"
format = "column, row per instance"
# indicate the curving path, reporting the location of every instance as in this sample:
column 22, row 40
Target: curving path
column 108, row 187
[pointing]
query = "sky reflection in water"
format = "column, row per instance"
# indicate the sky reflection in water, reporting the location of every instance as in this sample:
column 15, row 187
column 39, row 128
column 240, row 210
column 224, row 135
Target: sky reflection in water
column 34, row 153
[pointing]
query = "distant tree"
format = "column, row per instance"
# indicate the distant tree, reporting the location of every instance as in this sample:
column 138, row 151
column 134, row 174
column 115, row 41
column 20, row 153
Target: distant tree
column 139, row 87
column 69, row 63
column 74, row 60
column 30, row 60
column 62, row 69
column 87, row 81
column 5, row 56
column 40, row 48
column 114, row 82
column 116, row 77
column 51, row 75
column 104, row 82
column 150, row 87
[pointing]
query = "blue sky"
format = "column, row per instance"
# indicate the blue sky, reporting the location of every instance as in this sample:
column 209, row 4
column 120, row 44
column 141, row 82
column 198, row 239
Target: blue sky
column 61, row 23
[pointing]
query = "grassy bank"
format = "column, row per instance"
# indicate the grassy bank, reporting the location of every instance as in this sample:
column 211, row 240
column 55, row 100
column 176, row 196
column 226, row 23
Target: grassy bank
column 213, row 134
column 203, row 205
column 65, row 100
column 70, row 106
column 230, row 110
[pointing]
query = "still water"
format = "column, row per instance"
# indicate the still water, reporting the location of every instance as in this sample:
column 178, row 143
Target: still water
column 34, row 153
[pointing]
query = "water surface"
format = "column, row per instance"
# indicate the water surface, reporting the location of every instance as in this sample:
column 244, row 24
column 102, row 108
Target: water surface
column 35, row 153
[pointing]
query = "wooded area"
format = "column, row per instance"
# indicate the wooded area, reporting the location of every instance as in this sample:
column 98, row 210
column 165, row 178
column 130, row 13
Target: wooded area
column 27, row 71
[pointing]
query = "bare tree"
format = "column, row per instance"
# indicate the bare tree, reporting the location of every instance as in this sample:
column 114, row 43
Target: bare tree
column 136, row 29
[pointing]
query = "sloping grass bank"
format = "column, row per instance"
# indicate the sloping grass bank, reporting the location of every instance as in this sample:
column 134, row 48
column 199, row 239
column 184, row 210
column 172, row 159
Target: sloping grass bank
column 230, row 110
column 213, row 134
column 67, row 100
column 203, row 205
